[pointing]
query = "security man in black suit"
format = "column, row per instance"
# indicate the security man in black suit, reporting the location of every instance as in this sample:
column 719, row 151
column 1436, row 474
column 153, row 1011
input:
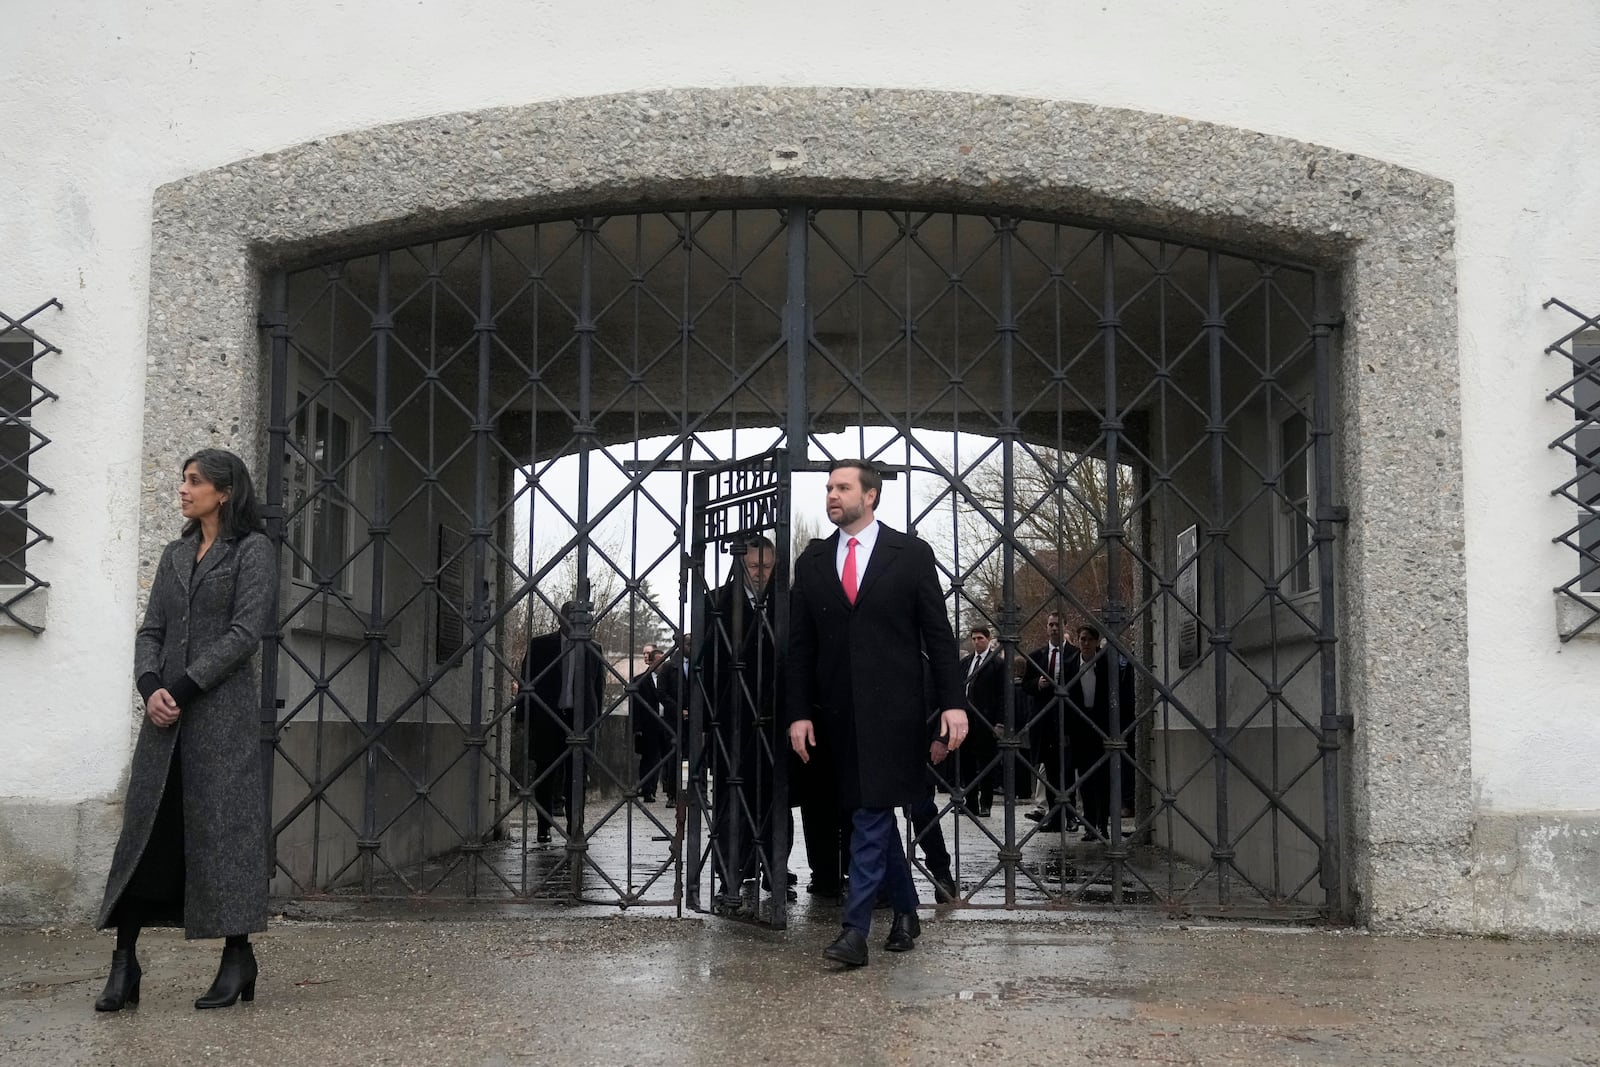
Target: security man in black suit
column 654, row 730
column 985, row 673
column 549, row 693
column 1044, row 678
column 1089, row 698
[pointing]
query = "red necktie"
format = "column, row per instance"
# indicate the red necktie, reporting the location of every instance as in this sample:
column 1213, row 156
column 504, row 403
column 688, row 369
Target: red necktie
column 849, row 575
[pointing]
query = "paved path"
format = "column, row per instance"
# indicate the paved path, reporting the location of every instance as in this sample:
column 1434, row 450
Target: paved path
column 554, row 988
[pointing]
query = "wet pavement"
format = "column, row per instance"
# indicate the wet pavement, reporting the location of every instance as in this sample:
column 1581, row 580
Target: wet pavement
column 558, row 987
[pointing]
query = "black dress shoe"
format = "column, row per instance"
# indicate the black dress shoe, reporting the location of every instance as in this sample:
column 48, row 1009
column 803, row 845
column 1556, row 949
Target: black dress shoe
column 904, row 932
column 122, row 984
column 849, row 948
column 235, row 980
column 944, row 887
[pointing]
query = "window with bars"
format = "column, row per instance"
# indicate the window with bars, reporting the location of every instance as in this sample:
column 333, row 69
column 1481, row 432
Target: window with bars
column 1295, row 527
column 1578, row 598
column 319, row 483
column 21, row 393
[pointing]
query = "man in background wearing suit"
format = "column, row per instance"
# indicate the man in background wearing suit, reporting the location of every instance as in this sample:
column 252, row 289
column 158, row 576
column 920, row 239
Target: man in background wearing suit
column 985, row 672
column 1044, row 681
column 1089, row 694
column 654, row 732
column 864, row 607
column 740, row 671
column 548, row 691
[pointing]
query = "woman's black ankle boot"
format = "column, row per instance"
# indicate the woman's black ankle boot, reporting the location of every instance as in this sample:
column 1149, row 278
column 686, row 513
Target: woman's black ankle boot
column 122, row 985
column 236, row 978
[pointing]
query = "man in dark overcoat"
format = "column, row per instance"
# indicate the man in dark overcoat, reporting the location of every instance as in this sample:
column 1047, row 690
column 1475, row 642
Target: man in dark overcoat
column 740, row 670
column 201, row 630
column 865, row 605
column 548, row 690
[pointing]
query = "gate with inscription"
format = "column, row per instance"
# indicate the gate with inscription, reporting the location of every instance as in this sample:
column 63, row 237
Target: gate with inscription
column 738, row 755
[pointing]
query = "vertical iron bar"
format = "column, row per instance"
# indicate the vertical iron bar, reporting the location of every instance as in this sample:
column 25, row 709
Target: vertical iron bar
column 1329, row 743
column 1011, row 852
column 382, row 327
column 477, row 610
column 733, row 823
column 797, row 334
column 583, row 621
column 1221, row 638
column 778, row 604
column 277, row 321
column 1112, row 533
column 699, row 590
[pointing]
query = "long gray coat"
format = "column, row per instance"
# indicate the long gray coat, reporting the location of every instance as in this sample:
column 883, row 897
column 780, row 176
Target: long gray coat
column 856, row 670
column 206, row 619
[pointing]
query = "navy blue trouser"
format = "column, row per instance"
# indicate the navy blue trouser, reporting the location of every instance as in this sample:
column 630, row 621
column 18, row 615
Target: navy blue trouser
column 876, row 859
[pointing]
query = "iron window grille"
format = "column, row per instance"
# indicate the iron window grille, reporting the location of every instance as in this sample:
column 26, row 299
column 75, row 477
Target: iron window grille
column 1580, row 393
column 21, row 391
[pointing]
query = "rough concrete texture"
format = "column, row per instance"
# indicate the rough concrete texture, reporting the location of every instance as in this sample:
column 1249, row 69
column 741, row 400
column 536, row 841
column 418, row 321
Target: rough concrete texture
column 1537, row 863
column 642, row 991
column 1387, row 230
column 55, row 858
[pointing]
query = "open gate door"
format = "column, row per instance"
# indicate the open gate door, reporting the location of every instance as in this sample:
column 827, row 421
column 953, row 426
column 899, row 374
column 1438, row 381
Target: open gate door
column 738, row 581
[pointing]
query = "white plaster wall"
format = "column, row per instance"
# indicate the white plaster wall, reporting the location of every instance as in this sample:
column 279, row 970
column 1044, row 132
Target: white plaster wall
column 100, row 102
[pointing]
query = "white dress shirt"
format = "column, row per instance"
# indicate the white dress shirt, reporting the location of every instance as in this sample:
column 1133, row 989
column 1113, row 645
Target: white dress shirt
column 864, row 542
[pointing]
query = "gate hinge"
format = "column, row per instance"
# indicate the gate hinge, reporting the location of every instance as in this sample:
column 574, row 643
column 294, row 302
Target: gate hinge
column 1345, row 723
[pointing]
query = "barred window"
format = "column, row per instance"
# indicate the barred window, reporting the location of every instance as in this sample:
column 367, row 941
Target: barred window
column 16, row 356
column 1578, row 598
column 1586, row 442
column 319, row 479
column 1297, row 554
column 21, row 393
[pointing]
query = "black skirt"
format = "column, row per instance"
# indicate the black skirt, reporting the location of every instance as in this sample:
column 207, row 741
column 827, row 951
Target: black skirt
column 154, row 896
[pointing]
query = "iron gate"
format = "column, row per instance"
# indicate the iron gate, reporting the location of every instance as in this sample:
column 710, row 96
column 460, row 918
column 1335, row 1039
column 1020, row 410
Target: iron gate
column 473, row 433
column 737, row 754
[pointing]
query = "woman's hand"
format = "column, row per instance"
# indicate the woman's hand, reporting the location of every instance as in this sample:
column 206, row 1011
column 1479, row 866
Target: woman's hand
column 161, row 708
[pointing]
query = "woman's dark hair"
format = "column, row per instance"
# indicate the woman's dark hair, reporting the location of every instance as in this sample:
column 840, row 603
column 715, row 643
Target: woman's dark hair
column 227, row 472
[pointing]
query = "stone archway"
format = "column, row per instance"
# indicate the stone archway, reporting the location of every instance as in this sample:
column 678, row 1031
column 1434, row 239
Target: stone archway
column 1386, row 230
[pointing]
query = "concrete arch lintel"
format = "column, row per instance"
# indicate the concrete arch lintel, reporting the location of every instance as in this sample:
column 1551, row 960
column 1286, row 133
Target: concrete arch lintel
column 1388, row 231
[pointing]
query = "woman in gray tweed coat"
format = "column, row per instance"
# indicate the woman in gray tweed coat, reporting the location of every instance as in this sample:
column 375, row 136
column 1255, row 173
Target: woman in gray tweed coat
column 193, row 846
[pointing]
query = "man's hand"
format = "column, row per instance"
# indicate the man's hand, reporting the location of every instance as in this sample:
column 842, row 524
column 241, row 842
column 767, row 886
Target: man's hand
column 937, row 751
column 161, row 708
column 801, row 738
column 953, row 727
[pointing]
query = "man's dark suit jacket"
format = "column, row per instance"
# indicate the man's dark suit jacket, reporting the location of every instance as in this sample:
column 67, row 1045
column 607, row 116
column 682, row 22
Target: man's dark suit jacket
column 651, row 728
column 1087, row 726
column 986, row 710
column 540, row 696
column 856, row 670
column 1050, row 719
